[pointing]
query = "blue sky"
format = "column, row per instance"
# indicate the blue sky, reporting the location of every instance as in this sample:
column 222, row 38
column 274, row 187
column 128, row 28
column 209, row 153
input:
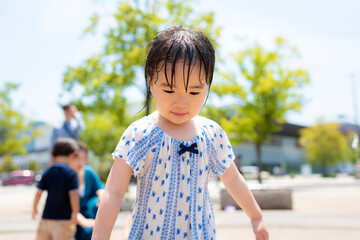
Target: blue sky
column 40, row 38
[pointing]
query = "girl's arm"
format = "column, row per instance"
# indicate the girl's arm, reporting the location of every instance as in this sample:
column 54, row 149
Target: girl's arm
column 116, row 185
column 238, row 189
column 84, row 222
column 36, row 201
column 75, row 205
column 99, row 193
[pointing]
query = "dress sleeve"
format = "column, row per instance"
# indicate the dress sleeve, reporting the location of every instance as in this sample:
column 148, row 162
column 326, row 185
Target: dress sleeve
column 132, row 147
column 221, row 152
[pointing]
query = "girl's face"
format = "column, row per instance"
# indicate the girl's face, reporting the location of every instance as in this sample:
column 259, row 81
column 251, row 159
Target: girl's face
column 74, row 162
column 177, row 105
column 82, row 156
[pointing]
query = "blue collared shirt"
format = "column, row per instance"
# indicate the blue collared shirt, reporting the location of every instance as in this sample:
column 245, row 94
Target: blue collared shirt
column 69, row 129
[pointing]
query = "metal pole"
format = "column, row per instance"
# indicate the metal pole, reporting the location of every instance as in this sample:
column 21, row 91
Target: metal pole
column 356, row 139
column 353, row 86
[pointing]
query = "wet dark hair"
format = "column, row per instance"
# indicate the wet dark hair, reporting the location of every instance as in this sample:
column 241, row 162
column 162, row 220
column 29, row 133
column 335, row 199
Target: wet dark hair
column 178, row 44
column 64, row 147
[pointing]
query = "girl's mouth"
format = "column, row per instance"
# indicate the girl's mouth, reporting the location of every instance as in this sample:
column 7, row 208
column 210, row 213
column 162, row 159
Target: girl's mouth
column 179, row 114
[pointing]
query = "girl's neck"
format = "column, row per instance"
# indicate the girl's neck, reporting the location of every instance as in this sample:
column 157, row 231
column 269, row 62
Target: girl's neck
column 81, row 176
column 182, row 132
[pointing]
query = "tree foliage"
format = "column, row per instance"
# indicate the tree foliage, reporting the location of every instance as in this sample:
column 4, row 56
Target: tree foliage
column 12, row 124
column 325, row 145
column 99, row 84
column 269, row 91
column 33, row 165
column 7, row 164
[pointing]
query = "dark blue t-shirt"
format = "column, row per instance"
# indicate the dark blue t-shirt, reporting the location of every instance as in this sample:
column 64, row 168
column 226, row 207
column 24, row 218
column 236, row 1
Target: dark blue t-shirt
column 58, row 181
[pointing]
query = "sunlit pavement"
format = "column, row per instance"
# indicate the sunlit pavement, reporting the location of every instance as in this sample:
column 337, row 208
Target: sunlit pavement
column 323, row 208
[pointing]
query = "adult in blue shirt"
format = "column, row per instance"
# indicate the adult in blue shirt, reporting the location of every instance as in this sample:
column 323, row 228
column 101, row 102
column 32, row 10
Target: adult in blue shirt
column 90, row 191
column 71, row 127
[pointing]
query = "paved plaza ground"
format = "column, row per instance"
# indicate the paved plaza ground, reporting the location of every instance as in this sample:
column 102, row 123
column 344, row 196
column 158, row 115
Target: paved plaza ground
column 323, row 208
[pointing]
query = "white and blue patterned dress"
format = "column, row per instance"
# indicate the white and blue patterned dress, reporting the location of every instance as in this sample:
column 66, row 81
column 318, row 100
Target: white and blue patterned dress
column 172, row 199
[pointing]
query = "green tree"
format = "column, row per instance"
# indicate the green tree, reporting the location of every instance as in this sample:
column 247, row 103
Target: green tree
column 12, row 124
column 325, row 145
column 7, row 164
column 269, row 91
column 99, row 83
column 33, row 165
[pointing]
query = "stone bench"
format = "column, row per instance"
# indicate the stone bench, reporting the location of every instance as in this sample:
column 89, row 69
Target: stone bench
column 273, row 198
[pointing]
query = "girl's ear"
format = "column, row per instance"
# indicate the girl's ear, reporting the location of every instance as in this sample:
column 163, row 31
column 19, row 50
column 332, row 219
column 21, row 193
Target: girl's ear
column 150, row 84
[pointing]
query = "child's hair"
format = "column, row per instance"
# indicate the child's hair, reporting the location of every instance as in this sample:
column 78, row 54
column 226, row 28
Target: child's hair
column 83, row 147
column 178, row 44
column 64, row 147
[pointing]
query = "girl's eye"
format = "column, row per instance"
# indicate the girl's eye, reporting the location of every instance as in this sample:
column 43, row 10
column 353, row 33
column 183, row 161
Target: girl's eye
column 194, row 93
column 168, row 91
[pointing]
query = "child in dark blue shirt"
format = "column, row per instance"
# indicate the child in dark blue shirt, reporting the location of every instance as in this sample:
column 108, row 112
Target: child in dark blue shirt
column 62, row 203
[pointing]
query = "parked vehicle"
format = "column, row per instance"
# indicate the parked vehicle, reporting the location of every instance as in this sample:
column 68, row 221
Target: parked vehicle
column 19, row 177
column 252, row 172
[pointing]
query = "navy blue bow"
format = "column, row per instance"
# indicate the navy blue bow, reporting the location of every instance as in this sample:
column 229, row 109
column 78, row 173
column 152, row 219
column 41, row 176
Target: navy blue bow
column 190, row 149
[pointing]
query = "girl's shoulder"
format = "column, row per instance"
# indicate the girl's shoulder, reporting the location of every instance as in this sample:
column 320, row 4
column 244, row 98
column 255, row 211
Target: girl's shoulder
column 208, row 125
column 142, row 122
column 141, row 126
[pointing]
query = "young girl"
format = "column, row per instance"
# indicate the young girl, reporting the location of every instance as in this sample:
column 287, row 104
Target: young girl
column 173, row 152
column 90, row 191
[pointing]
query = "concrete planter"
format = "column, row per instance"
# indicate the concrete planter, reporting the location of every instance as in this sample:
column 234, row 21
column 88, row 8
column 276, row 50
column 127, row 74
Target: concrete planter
column 274, row 198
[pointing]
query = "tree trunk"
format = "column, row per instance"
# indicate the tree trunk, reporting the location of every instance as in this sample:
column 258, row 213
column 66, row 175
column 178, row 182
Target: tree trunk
column 258, row 161
column 324, row 170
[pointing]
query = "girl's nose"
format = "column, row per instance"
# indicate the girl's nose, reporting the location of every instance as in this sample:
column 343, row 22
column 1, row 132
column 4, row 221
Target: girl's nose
column 180, row 102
